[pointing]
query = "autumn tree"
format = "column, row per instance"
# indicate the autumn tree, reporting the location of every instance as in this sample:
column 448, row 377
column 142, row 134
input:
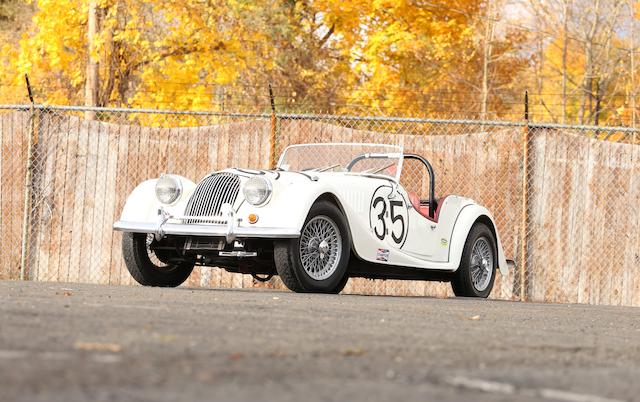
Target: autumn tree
column 436, row 57
column 586, row 64
column 151, row 53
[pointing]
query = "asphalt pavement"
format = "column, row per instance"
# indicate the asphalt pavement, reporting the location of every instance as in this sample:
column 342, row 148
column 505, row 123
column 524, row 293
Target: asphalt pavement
column 78, row 342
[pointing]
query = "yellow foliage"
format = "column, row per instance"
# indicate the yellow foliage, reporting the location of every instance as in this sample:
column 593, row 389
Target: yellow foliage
column 388, row 56
column 148, row 51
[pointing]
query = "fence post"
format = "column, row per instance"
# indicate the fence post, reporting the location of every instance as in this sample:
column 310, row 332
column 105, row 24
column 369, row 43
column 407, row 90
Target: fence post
column 274, row 128
column 26, row 213
column 524, row 224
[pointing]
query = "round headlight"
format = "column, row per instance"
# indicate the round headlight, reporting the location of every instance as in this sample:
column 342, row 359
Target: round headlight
column 168, row 189
column 257, row 190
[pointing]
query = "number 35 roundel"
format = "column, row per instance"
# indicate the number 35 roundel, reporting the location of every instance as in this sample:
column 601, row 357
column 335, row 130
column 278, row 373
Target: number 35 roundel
column 389, row 217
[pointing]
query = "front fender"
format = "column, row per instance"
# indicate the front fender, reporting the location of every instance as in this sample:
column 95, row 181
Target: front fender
column 288, row 207
column 468, row 216
column 142, row 204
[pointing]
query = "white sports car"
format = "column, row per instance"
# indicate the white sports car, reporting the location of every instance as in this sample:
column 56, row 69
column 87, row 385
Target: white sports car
column 326, row 213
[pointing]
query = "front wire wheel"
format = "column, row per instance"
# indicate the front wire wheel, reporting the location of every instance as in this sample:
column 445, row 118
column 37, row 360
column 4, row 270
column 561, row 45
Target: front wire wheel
column 477, row 271
column 151, row 268
column 317, row 261
column 158, row 259
column 320, row 247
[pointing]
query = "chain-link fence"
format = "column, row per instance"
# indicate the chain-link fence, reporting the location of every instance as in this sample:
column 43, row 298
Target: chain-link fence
column 566, row 199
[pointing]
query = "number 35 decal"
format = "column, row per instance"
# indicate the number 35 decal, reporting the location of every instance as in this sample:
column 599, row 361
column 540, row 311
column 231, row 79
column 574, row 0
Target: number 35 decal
column 388, row 217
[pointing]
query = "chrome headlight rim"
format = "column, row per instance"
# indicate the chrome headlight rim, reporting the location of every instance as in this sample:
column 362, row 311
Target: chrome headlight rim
column 268, row 191
column 177, row 184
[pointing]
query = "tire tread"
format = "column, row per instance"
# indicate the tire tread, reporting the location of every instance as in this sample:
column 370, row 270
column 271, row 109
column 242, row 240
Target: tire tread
column 142, row 269
column 284, row 266
column 285, row 253
column 461, row 281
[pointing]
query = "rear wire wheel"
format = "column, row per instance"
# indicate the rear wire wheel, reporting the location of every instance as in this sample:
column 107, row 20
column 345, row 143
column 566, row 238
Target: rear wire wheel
column 477, row 271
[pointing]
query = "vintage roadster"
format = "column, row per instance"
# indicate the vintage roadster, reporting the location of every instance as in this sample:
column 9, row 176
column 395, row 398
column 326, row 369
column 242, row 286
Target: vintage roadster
column 326, row 213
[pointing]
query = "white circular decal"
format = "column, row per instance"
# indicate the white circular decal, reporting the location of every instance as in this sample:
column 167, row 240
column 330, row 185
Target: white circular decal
column 389, row 217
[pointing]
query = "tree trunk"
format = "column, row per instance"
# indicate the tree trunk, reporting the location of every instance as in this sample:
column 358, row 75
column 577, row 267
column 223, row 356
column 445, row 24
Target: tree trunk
column 486, row 59
column 633, row 92
column 596, row 118
column 633, row 83
column 92, row 72
column 565, row 42
column 587, row 82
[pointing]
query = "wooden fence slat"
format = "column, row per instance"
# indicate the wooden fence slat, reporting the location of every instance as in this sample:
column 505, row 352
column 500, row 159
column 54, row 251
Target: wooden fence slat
column 68, row 198
column 202, row 166
column 6, row 168
column 129, row 182
column 598, row 220
column 19, row 130
column 110, row 201
column 77, row 223
column 58, row 201
column 98, row 272
column 223, row 148
column 17, row 134
column 9, row 174
column 618, row 223
column 632, row 278
column 616, row 178
column 5, row 253
column 45, row 149
column 559, row 230
column 540, row 141
column 120, row 170
column 214, row 140
column 551, row 214
column 134, row 177
column 575, row 218
column 583, row 256
column 87, row 253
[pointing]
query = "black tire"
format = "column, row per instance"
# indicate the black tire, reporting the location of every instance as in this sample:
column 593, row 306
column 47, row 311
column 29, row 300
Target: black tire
column 289, row 264
column 462, row 282
column 281, row 256
column 145, row 271
column 341, row 285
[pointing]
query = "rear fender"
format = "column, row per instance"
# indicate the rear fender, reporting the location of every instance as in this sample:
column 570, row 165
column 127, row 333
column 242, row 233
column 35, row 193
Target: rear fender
column 469, row 216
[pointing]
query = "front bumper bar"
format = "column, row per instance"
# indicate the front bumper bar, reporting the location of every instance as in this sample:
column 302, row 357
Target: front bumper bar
column 207, row 230
column 225, row 225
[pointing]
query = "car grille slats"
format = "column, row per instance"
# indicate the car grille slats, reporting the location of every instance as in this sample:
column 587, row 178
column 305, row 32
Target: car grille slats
column 205, row 191
column 210, row 194
column 224, row 183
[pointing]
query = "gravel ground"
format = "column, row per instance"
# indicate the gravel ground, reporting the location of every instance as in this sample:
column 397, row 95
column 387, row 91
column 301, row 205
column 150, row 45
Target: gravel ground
column 73, row 342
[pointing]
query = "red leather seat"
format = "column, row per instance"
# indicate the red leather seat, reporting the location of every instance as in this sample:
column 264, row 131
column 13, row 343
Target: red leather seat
column 421, row 209
column 424, row 209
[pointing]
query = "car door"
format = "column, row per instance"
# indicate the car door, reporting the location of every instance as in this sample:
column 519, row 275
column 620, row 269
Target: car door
column 398, row 226
column 422, row 233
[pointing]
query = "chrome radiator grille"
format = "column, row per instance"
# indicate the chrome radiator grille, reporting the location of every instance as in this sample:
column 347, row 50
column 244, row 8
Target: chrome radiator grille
column 211, row 193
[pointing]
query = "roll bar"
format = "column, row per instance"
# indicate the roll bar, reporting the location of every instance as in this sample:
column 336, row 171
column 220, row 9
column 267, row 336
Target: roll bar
column 432, row 176
column 432, row 182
